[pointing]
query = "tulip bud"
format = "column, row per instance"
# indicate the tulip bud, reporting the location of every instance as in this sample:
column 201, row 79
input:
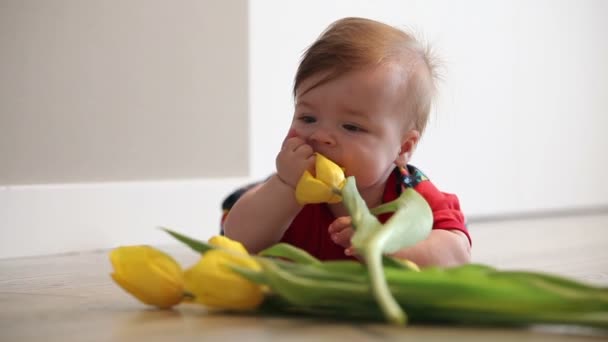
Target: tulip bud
column 320, row 188
column 148, row 274
column 226, row 243
column 215, row 285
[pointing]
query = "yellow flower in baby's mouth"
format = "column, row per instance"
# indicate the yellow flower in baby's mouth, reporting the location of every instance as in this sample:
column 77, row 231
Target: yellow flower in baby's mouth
column 214, row 284
column 148, row 274
column 320, row 188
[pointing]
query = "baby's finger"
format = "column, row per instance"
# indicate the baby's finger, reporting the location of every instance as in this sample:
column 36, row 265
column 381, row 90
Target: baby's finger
column 343, row 237
column 292, row 144
column 310, row 163
column 339, row 224
column 304, row 150
column 291, row 134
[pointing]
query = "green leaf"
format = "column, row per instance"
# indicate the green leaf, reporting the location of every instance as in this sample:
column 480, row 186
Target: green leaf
column 411, row 223
column 389, row 262
column 197, row 245
column 348, row 271
column 300, row 289
column 363, row 222
column 384, row 208
column 287, row 251
column 340, row 267
column 254, row 276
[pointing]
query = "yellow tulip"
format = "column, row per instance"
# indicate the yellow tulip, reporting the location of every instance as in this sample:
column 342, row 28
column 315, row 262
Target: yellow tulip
column 320, row 189
column 226, row 243
column 215, row 285
column 148, row 274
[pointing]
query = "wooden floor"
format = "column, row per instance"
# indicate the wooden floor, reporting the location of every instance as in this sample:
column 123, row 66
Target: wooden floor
column 71, row 297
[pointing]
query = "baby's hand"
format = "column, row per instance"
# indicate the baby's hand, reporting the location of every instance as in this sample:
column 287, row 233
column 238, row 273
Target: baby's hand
column 295, row 157
column 341, row 231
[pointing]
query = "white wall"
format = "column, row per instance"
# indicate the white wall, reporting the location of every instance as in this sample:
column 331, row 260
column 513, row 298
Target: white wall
column 117, row 117
column 521, row 122
column 519, row 127
column 62, row 218
column 114, row 90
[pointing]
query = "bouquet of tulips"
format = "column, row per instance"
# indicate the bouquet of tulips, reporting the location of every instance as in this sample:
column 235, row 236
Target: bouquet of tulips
column 286, row 280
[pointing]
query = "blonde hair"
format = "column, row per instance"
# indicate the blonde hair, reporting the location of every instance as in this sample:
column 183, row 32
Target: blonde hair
column 355, row 43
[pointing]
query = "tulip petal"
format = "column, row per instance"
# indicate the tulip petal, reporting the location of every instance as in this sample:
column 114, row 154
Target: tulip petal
column 168, row 268
column 115, row 257
column 131, row 289
column 328, row 172
column 151, row 295
column 320, row 188
column 148, row 274
column 335, row 198
column 227, row 243
column 174, row 281
column 312, row 190
column 215, row 285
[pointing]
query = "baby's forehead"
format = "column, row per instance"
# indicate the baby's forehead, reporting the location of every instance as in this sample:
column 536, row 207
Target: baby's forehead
column 372, row 78
column 376, row 89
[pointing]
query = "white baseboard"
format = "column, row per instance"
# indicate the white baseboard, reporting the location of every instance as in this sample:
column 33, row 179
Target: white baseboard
column 50, row 219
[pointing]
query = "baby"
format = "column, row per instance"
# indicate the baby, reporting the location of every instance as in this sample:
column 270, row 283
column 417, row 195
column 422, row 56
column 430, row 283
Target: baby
column 363, row 94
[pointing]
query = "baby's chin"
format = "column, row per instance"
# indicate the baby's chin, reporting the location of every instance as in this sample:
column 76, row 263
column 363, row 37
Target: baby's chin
column 367, row 183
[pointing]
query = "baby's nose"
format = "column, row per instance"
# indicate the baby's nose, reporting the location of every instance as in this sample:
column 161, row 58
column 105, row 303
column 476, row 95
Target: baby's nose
column 321, row 136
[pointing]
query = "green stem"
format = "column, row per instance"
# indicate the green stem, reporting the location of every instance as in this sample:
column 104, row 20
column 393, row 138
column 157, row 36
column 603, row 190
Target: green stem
column 388, row 207
column 373, row 256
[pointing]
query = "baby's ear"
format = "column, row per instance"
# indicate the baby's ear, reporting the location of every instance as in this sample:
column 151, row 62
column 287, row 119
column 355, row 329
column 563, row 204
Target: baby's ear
column 402, row 159
column 408, row 144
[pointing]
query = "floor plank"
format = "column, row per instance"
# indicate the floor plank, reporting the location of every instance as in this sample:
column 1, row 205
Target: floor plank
column 72, row 298
column 572, row 246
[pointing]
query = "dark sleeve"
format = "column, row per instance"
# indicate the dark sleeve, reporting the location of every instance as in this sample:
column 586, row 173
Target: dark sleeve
column 229, row 201
column 446, row 208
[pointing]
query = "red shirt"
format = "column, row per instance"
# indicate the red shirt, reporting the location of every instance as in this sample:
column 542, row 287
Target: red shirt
column 309, row 228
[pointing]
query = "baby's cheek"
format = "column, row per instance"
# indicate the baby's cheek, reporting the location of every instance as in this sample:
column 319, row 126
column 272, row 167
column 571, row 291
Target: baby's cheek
column 292, row 133
column 368, row 175
column 302, row 133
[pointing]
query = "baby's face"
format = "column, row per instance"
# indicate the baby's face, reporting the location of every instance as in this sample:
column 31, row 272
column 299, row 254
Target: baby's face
column 356, row 120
